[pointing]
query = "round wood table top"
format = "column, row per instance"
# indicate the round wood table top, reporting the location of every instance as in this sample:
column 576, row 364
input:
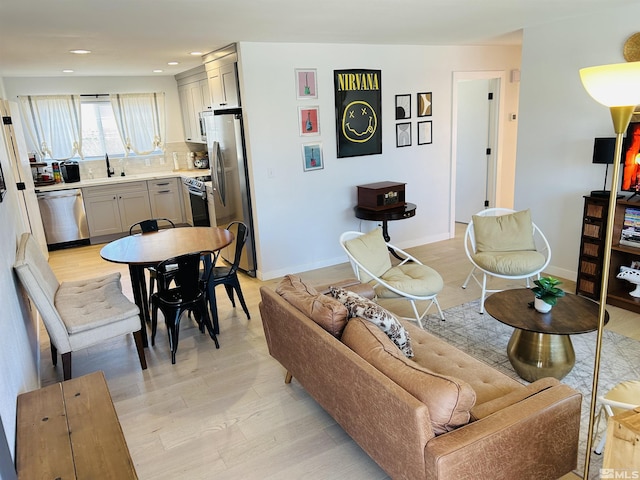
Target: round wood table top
column 155, row 247
column 572, row 314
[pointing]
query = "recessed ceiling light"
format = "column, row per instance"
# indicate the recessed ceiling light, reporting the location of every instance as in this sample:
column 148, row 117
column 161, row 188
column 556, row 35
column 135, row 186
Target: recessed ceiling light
column 195, row 53
column 157, row 71
column 80, row 51
column 172, row 63
column 67, row 71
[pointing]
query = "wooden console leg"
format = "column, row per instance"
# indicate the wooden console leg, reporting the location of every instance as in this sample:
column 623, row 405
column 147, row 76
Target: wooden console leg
column 287, row 378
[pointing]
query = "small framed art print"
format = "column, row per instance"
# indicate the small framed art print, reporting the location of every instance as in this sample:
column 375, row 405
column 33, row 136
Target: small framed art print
column 306, row 83
column 424, row 104
column 424, row 133
column 308, row 121
column 312, row 156
column 403, row 107
column 403, row 134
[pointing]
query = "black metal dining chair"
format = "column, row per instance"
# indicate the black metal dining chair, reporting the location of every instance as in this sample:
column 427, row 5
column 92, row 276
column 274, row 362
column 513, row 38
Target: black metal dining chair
column 148, row 226
column 187, row 292
column 228, row 275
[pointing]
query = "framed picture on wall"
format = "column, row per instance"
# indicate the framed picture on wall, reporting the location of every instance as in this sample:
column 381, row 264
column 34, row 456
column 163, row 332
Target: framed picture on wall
column 309, row 121
column 403, row 134
column 424, row 133
column 312, row 156
column 403, row 107
column 424, row 104
column 306, row 83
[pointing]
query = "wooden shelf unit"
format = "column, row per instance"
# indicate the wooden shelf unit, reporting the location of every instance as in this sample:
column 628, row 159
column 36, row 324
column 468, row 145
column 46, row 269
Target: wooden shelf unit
column 592, row 250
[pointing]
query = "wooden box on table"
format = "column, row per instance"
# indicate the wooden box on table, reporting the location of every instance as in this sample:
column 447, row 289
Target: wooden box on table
column 381, row 196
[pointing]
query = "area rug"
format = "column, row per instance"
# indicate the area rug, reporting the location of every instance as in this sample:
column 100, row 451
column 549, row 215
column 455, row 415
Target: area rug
column 485, row 338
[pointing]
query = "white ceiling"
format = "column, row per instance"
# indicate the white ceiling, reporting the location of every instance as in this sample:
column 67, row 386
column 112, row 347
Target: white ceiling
column 134, row 37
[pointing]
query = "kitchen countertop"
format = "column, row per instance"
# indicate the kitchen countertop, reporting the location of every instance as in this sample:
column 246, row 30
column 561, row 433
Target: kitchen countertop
column 95, row 182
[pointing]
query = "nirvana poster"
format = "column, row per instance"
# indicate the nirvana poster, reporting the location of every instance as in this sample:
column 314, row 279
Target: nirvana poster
column 358, row 115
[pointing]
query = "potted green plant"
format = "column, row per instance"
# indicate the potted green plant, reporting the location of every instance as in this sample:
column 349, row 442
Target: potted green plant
column 547, row 293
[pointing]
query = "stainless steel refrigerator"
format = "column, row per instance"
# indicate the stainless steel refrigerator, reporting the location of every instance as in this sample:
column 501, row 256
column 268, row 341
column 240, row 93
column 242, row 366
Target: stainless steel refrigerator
column 230, row 179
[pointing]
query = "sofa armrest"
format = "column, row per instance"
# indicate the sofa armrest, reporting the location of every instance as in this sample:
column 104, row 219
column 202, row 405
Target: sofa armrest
column 534, row 438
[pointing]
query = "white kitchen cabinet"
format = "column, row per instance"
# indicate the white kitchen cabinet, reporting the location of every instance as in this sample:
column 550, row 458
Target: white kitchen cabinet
column 112, row 209
column 193, row 90
column 165, row 196
column 223, row 86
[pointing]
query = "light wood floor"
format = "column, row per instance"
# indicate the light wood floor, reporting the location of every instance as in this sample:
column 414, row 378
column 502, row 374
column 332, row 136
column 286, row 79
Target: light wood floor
column 226, row 413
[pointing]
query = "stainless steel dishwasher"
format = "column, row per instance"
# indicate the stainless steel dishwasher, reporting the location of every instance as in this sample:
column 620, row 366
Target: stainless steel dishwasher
column 63, row 218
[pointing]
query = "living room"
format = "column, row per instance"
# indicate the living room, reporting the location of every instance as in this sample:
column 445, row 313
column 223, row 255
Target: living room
column 557, row 122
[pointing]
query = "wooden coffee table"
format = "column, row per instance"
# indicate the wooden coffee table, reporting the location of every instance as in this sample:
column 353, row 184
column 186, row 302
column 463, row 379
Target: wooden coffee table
column 540, row 345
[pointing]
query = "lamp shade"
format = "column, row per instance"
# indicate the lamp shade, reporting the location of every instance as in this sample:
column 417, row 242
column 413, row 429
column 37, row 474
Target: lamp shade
column 615, row 85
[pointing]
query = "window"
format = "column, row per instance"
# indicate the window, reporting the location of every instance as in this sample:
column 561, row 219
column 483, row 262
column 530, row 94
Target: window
column 99, row 131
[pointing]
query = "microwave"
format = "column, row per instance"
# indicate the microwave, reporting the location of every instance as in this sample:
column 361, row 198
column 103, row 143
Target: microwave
column 203, row 127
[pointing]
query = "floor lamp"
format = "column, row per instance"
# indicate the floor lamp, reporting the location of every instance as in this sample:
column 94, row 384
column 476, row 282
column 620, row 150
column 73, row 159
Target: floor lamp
column 616, row 86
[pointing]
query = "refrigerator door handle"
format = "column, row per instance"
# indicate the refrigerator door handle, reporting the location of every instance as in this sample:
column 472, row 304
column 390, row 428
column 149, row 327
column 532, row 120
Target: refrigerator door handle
column 217, row 172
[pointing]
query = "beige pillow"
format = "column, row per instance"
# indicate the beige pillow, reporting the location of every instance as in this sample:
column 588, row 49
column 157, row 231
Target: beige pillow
column 448, row 399
column 326, row 311
column 371, row 251
column 504, row 233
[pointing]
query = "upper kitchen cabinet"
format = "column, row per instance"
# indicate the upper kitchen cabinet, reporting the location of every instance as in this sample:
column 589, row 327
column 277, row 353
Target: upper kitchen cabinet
column 221, row 67
column 193, row 89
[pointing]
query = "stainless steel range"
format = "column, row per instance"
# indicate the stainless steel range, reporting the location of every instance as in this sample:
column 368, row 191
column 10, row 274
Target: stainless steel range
column 196, row 187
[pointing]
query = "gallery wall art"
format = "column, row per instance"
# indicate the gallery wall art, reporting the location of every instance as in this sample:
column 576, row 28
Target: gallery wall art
column 358, row 112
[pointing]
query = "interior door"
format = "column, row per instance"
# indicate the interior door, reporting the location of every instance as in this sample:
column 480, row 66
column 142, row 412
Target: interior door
column 475, row 146
column 19, row 158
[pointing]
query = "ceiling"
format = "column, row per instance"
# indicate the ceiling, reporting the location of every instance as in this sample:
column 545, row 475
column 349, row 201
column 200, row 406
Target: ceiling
column 135, row 37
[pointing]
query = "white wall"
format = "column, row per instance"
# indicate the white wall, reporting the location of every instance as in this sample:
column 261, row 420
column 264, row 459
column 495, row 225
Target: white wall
column 300, row 215
column 559, row 120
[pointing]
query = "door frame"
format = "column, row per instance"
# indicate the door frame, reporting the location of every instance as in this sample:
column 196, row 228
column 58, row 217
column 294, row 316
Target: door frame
column 498, row 125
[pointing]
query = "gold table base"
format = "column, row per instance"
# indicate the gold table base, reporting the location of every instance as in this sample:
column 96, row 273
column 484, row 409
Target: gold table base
column 537, row 355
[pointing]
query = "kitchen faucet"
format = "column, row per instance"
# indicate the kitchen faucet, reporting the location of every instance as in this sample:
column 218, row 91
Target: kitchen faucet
column 110, row 170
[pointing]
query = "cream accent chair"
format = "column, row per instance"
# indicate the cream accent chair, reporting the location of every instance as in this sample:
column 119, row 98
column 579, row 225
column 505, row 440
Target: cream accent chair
column 411, row 280
column 504, row 243
column 76, row 314
column 624, row 396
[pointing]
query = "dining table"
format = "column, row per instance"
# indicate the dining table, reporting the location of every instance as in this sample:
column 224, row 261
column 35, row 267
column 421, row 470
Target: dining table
column 144, row 250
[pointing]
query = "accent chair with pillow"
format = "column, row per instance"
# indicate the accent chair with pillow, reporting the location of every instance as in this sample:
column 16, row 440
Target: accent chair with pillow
column 411, row 279
column 504, row 243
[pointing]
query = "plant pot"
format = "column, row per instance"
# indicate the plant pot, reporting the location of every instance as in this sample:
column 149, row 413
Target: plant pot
column 541, row 306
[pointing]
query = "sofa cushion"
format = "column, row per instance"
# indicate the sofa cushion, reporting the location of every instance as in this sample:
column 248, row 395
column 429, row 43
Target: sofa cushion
column 371, row 251
column 504, row 233
column 448, row 399
column 358, row 306
column 326, row 311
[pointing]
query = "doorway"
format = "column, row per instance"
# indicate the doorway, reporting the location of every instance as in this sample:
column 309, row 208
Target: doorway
column 477, row 99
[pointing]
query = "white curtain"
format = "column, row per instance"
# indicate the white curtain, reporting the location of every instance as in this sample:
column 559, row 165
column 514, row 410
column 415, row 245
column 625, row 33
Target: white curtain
column 141, row 121
column 53, row 123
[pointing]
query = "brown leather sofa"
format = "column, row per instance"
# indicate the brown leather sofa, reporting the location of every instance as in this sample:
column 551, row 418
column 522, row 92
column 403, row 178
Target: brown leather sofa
column 499, row 428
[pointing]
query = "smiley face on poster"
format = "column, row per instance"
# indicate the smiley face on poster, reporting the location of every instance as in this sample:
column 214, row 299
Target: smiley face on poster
column 358, row 99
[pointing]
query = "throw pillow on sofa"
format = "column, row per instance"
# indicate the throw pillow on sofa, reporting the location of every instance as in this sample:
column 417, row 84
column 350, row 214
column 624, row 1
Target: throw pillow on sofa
column 358, row 306
column 326, row 311
column 448, row 399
